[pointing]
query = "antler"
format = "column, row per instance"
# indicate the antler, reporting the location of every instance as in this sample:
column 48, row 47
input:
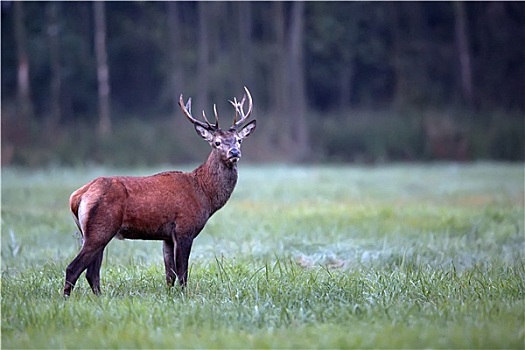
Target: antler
column 239, row 109
column 187, row 112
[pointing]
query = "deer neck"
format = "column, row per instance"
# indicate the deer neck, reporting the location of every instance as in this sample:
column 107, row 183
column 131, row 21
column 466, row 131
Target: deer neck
column 217, row 180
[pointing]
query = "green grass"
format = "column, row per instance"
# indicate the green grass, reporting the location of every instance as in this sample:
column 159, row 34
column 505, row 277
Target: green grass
column 398, row 256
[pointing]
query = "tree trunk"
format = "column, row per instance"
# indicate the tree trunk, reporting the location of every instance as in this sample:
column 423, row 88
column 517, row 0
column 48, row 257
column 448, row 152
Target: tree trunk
column 411, row 54
column 53, row 30
column 245, row 41
column 203, row 60
column 176, row 48
column 24, row 102
column 346, row 84
column 297, row 101
column 462, row 40
column 104, row 126
column 279, row 81
column 398, row 55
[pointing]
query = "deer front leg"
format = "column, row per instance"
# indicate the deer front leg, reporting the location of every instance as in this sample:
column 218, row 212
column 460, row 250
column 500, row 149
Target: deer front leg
column 182, row 252
column 168, row 249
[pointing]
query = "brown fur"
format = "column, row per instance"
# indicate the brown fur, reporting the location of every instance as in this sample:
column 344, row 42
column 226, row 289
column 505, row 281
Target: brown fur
column 171, row 206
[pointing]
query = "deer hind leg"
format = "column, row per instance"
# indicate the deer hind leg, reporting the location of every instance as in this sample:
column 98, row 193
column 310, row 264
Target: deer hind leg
column 88, row 254
column 100, row 218
column 93, row 272
column 168, row 249
column 182, row 254
column 97, row 235
column 90, row 257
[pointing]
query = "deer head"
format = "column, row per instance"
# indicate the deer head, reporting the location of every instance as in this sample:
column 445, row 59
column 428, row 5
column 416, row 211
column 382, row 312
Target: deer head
column 226, row 142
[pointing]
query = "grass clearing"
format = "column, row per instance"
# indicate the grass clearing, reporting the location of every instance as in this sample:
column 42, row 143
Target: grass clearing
column 397, row 256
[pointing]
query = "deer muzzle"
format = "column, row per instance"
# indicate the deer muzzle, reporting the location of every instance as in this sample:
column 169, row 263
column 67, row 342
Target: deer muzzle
column 234, row 154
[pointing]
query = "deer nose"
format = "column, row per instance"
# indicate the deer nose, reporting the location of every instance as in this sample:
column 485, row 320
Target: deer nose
column 234, row 153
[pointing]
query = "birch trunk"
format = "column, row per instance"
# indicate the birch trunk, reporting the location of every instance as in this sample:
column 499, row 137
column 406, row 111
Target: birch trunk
column 104, row 126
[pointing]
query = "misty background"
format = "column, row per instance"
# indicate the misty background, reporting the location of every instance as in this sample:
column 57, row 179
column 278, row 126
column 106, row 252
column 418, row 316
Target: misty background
column 364, row 82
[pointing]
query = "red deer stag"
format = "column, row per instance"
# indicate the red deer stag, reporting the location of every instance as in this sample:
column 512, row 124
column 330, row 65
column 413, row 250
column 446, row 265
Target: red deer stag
column 171, row 206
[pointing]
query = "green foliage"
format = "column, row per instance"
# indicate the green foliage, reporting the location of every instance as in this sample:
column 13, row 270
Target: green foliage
column 376, row 136
column 360, row 136
column 369, row 136
column 400, row 256
column 497, row 136
column 134, row 142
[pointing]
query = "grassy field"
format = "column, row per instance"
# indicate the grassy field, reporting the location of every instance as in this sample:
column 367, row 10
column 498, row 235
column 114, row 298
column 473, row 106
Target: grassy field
column 397, row 256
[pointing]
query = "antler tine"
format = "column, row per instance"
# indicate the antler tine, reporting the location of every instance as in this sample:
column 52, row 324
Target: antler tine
column 216, row 125
column 234, row 104
column 250, row 101
column 206, row 119
column 186, row 109
column 216, row 115
column 239, row 108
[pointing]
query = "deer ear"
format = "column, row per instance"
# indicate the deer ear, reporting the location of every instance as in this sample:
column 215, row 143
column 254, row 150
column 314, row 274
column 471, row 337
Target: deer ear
column 247, row 129
column 204, row 133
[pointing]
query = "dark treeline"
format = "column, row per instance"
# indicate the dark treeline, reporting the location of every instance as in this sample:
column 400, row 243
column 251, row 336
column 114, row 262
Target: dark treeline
column 312, row 67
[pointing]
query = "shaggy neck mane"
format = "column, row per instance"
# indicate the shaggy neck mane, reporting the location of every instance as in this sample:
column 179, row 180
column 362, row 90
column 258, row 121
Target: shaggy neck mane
column 217, row 179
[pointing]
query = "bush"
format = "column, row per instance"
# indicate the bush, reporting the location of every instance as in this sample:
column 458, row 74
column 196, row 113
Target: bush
column 362, row 136
column 354, row 136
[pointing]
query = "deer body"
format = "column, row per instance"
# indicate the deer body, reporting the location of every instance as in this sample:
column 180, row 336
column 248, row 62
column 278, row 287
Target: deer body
column 171, row 206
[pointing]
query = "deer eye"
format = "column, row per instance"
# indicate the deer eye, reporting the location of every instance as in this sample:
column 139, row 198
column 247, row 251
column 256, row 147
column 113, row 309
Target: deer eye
column 217, row 143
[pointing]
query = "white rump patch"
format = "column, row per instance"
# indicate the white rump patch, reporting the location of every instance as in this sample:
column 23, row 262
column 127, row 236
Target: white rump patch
column 83, row 210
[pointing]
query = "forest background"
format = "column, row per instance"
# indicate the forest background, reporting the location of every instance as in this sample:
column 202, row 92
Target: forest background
column 368, row 82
